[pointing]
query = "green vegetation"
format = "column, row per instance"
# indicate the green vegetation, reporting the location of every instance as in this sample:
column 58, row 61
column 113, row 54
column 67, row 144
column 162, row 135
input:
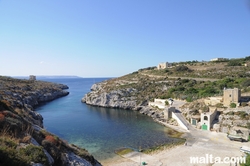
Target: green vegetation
column 181, row 141
column 9, row 155
column 232, row 105
column 247, row 161
column 248, row 126
column 188, row 81
column 123, row 151
column 174, row 133
column 212, row 70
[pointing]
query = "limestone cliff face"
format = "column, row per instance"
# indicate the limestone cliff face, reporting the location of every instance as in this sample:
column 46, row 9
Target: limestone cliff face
column 26, row 95
column 122, row 98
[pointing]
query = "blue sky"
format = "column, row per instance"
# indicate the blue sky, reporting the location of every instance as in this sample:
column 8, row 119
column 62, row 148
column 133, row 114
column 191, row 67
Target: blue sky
column 103, row 38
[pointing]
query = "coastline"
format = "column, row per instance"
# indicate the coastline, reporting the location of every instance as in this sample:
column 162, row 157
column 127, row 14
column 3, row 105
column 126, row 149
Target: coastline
column 199, row 143
column 125, row 159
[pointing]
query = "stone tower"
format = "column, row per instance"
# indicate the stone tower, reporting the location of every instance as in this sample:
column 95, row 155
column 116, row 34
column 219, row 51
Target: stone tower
column 231, row 96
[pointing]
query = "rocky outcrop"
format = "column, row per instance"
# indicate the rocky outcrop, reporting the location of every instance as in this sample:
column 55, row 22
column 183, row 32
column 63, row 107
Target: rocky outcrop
column 25, row 95
column 122, row 98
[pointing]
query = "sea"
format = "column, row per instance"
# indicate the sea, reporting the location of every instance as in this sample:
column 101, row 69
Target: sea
column 99, row 130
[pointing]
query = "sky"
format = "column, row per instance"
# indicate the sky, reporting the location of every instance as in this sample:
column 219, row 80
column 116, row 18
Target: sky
column 111, row 38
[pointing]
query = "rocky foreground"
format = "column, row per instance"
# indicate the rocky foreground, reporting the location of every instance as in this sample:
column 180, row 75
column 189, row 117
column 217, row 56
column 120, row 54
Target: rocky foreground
column 23, row 140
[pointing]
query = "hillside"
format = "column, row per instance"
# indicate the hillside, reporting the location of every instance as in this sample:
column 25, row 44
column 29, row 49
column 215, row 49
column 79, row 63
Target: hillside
column 23, row 140
column 188, row 81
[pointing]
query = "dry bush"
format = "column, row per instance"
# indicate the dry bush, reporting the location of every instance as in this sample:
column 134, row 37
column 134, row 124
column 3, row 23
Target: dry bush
column 2, row 117
column 26, row 139
column 51, row 139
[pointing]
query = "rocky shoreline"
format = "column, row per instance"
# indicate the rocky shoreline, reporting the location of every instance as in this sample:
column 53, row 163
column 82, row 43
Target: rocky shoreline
column 20, row 123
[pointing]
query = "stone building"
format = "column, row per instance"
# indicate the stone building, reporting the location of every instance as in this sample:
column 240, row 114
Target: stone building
column 207, row 118
column 231, row 96
column 218, row 59
column 163, row 65
column 32, row 77
column 168, row 112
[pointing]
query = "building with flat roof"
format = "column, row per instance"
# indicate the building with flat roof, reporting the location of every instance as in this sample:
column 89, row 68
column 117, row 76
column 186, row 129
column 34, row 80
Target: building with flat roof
column 231, row 96
column 163, row 65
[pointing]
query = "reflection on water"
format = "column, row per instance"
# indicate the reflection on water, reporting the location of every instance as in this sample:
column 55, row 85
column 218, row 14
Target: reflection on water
column 100, row 130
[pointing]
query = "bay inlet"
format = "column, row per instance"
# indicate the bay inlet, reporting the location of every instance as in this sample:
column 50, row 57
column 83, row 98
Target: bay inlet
column 99, row 130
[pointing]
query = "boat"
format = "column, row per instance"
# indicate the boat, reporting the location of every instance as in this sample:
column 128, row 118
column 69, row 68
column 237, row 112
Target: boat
column 245, row 149
column 235, row 138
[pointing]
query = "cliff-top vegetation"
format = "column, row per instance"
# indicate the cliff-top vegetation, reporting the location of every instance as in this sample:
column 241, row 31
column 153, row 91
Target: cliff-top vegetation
column 185, row 80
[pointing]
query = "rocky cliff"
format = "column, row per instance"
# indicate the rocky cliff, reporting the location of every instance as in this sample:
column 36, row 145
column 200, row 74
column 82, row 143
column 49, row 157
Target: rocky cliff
column 30, row 143
column 124, row 98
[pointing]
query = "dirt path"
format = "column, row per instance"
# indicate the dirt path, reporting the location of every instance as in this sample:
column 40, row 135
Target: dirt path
column 197, row 79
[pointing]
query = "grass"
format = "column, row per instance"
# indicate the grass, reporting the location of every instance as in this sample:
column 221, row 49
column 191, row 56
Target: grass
column 174, row 133
column 164, row 146
column 123, row 151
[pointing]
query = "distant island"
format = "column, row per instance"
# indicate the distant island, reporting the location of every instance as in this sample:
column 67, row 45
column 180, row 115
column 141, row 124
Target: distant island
column 48, row 77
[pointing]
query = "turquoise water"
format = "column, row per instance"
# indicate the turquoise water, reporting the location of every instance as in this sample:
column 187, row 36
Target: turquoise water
column 99, row 130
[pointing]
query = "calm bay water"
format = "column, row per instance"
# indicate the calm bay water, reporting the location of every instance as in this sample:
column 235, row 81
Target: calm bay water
column 99, row 130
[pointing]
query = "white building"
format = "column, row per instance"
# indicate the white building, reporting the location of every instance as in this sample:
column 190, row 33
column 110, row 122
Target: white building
column 207, row 119
column 164, row 65
column 218, row 59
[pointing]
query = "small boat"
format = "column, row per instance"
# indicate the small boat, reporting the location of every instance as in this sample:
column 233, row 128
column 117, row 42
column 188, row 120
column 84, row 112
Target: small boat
column 245, row 149
column 235, row 138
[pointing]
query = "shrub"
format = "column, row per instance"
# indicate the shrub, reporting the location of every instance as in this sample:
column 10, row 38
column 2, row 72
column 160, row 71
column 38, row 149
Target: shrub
column 189, row 99
column 51, row 139
column 235, row 62
column 9, row 155
column 219, row 105
column 248, row 125
column 166, row 102
column 2, row 117
column 230, row 113
column 246, row 83
column 181, row 68
column 34, row 153
column 232, row 105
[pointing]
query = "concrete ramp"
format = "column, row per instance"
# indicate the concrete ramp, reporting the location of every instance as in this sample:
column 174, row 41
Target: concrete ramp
column 181, row 120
